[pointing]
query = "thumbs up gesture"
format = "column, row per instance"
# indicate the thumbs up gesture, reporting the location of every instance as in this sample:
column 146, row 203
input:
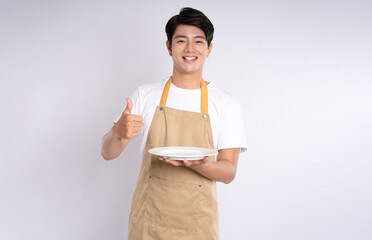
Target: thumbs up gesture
column 128, row 126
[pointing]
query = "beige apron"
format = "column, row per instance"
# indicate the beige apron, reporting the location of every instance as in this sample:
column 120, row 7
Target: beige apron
column 175, row 203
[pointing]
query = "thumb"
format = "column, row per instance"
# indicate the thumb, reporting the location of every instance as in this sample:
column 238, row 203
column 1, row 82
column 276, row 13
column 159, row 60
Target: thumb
column 128, row 108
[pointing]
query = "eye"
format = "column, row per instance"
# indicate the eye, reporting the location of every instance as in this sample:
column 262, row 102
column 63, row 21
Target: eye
column 180, row 41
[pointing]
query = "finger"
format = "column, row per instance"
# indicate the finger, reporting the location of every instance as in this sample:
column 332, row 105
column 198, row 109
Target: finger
column 173, row 162
column 134, row 129
column 205, row 160
column 128, row 108
column 170, row 161
column 135, row 118
column 187, row 163
column 130, row 135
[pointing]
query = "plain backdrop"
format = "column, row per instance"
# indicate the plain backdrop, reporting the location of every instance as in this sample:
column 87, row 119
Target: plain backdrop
column 301, row 70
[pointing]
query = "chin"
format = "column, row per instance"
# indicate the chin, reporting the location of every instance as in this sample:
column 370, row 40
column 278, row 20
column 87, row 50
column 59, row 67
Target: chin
column 191, row 70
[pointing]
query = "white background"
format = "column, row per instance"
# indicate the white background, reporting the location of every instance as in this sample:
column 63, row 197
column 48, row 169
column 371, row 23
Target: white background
column 301, row 69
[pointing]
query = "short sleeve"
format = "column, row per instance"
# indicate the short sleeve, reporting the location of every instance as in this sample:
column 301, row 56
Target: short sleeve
column 231, row 133
column 135, row 97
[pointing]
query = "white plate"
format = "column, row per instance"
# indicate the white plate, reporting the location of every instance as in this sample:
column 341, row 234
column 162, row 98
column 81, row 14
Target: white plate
column 183, row 153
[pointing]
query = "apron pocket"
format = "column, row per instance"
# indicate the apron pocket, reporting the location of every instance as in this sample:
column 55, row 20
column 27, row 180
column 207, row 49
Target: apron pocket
column 174, row 205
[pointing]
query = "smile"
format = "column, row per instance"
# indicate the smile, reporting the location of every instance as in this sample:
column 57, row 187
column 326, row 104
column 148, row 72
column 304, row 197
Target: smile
column 190, row 58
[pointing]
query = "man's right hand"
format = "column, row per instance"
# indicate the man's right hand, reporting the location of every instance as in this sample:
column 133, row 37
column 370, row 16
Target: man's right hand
column 128, row 126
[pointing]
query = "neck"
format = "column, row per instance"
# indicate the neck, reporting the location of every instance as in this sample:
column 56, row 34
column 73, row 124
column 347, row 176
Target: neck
column 187, row 81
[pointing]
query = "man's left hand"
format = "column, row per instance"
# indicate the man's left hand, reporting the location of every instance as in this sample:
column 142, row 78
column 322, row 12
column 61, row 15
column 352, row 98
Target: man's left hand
column 186, row 163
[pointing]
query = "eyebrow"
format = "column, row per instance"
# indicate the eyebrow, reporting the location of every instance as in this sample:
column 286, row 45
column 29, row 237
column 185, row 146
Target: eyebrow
column 183, row 36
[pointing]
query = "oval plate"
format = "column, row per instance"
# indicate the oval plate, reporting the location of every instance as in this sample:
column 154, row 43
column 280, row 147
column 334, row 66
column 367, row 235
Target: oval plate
column 183, row 153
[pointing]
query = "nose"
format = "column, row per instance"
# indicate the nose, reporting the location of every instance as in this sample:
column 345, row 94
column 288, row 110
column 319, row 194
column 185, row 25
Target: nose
column 189, row 47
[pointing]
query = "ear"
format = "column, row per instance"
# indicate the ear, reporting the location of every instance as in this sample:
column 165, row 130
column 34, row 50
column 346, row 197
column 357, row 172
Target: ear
column 209, row 49
column 169, row 47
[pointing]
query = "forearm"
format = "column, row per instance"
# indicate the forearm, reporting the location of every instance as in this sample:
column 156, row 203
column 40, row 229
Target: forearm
column 112, row 146
column 222, row 171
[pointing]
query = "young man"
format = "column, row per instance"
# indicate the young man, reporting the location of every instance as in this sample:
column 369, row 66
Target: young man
column 177, row 199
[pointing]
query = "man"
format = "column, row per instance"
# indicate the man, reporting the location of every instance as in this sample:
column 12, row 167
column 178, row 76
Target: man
column 176, row 199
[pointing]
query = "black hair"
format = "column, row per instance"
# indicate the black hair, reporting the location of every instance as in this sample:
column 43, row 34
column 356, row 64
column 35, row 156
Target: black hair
column 190, row 16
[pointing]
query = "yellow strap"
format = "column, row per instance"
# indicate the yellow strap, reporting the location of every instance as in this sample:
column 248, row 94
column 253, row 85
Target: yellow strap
column 164, row 96
column 204, row 95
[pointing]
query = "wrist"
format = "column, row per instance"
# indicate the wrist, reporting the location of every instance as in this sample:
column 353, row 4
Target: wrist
column 114, row 132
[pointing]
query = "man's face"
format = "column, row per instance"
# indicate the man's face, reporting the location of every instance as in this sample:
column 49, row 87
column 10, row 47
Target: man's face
column 189, row 49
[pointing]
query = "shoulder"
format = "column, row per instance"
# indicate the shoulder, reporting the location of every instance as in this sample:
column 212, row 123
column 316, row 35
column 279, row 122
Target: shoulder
column 148, row 96
column 221, row 99
column 222, row 95
column 150, row 88
column 149, row 91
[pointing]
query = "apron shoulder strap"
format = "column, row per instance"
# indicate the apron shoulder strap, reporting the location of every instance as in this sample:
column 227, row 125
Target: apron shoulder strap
column 164, row 96
column 204, row 97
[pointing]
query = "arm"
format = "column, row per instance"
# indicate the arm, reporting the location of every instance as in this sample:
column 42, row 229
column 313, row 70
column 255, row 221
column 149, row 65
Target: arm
column 115, row 140
column 112, row 145
column 223, row 170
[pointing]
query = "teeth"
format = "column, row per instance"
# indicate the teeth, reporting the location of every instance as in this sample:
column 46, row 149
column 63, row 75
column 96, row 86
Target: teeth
column 190, row 58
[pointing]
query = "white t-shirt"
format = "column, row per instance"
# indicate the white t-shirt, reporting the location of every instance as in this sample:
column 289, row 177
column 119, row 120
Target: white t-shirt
column 224, row 111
